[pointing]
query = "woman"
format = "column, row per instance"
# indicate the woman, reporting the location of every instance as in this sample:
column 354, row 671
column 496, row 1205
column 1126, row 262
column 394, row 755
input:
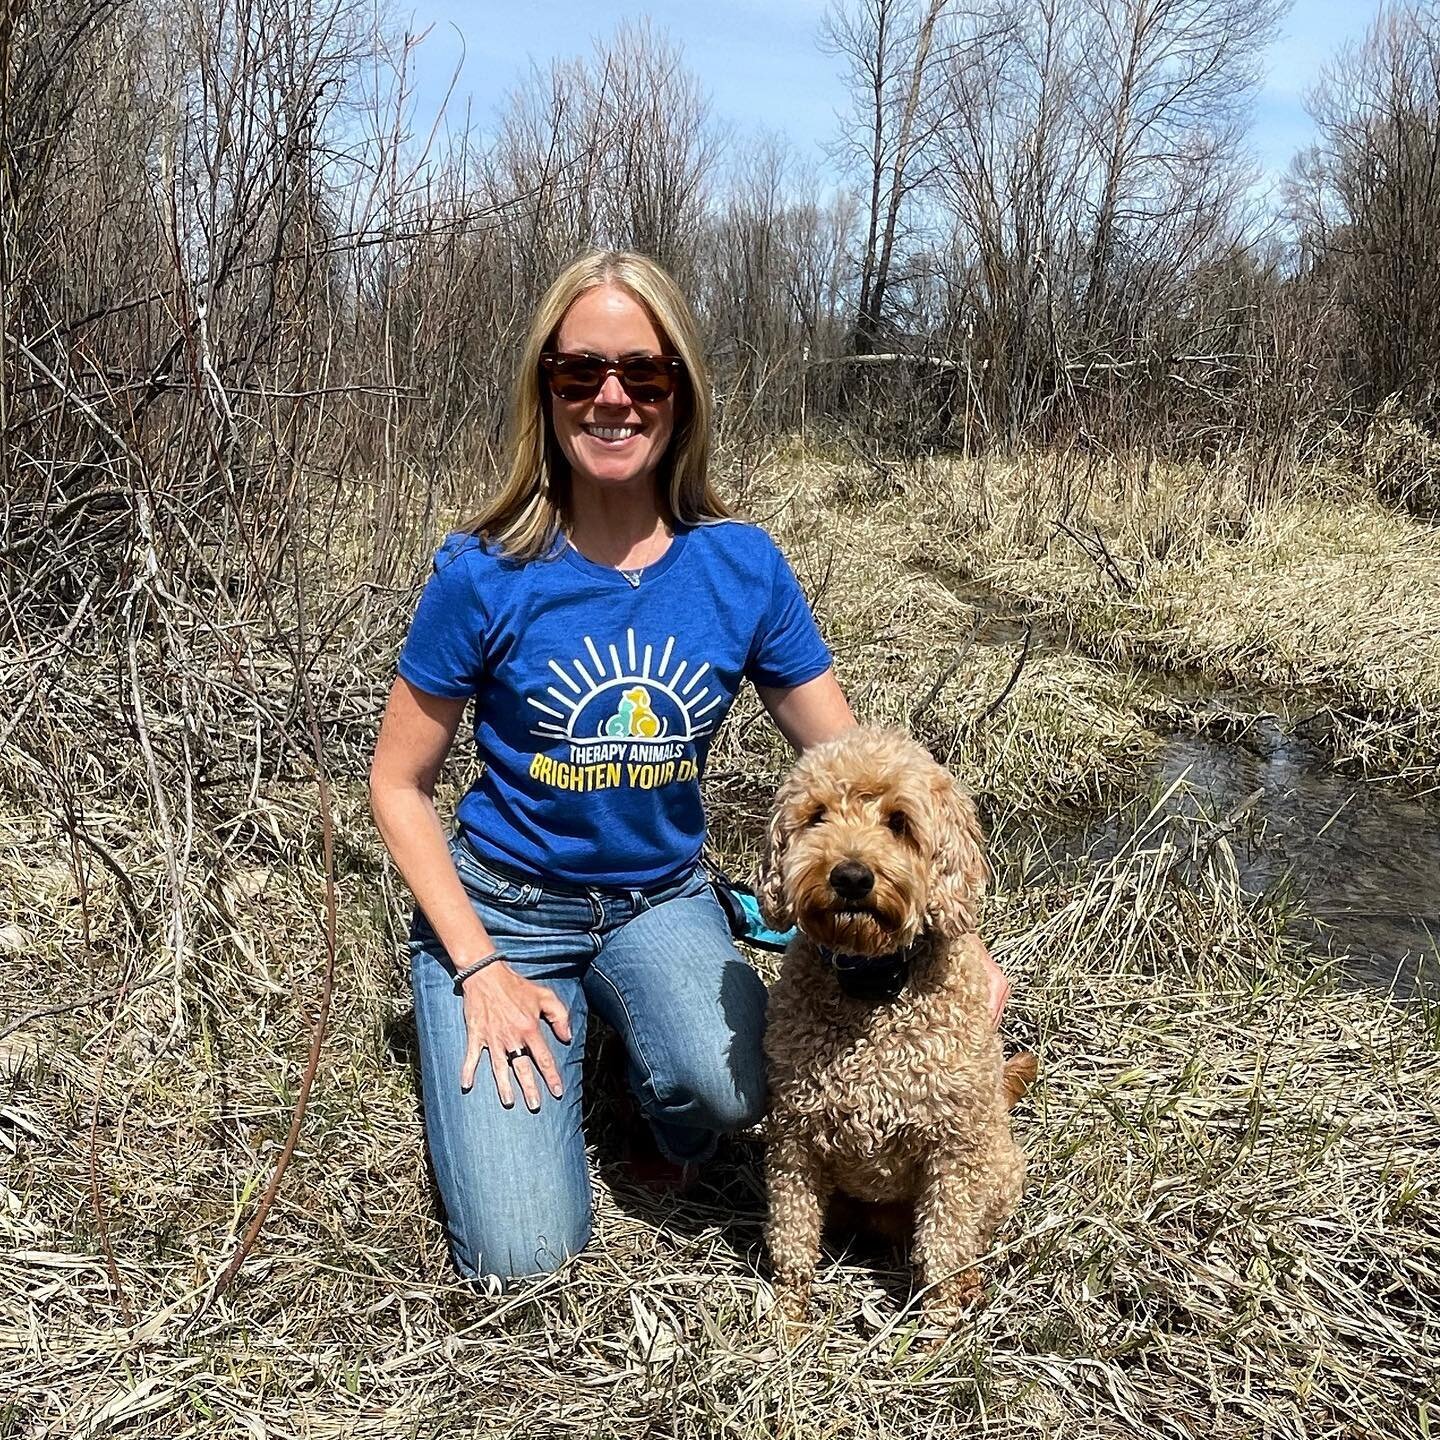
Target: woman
column 603, row 611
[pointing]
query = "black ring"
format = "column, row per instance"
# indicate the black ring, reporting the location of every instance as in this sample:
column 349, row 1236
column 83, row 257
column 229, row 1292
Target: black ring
column 515, row 1054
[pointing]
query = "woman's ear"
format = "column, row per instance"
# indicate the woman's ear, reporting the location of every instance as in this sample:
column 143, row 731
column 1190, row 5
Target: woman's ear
column 960, row 870
column 774, row 905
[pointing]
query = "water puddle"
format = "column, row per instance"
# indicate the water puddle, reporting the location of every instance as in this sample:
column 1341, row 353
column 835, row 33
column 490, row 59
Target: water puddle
column 1363, row 858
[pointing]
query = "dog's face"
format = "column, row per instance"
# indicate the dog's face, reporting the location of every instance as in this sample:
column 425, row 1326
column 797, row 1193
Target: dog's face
column 870, row 844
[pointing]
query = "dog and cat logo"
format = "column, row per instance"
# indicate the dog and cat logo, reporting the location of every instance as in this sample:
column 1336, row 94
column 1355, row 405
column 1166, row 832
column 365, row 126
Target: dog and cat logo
column 626, row 720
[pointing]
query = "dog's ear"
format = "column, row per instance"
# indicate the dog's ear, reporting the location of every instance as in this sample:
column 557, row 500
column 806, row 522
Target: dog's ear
column 960, row 872
column 774, row 907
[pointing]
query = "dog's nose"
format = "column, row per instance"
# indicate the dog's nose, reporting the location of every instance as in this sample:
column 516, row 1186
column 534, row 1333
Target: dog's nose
column 852, row 880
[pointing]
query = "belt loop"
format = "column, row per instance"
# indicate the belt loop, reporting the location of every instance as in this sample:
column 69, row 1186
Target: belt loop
column 638, row 900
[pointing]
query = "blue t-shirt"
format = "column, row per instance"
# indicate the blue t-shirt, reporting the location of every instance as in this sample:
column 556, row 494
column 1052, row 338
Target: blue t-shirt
column 597, row 698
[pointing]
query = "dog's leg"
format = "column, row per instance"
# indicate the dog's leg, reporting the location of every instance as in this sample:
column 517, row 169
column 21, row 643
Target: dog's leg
column 1007, row 1181
column 951, row 1214
column 798, row 1192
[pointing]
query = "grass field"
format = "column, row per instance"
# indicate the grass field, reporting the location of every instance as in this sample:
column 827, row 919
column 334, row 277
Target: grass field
column 1231, row 1226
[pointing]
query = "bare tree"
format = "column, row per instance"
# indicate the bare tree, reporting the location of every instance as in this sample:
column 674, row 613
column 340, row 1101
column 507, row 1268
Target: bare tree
column 1012, row 169
column 1366, row 199
column 773, row 286
column 613, row 150
column 887, row 47
column 1166, row 89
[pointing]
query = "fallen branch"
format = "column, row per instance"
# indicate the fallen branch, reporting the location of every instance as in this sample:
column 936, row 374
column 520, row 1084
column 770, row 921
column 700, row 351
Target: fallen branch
column 86, row 1002
column 943, row 678
column 993, row 708
column 1098, row 552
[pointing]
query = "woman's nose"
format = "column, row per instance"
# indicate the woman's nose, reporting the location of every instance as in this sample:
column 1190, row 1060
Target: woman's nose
column 612, row 392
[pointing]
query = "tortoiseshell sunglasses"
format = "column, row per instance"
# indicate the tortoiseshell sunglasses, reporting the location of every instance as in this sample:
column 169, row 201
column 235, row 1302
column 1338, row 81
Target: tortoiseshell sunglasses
column 646, row 378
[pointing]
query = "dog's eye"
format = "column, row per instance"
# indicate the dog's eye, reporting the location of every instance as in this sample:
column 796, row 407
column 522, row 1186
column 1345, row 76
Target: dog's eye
column 898, row 822
column 815, row 817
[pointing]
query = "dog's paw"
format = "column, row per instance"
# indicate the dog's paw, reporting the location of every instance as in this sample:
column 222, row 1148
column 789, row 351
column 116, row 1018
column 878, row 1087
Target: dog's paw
column 951, row 1303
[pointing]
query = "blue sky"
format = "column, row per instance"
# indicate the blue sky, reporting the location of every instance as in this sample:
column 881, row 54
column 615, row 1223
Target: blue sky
column 761, row 64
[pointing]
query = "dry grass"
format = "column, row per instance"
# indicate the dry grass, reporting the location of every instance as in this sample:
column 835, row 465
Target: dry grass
column 1327, row 596
column 1228, row 1219
column 1228, row 1230
column 1400, row 460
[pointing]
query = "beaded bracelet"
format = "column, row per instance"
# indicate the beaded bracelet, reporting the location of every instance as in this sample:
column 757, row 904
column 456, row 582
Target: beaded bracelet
column 461, row 976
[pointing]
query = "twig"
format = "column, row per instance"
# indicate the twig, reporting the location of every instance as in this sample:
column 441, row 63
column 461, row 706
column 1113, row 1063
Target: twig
column 98, row 997
column 97, row 1205
column 1099, row 554
column 943, row 678
column 994, row 706
column 327, row 984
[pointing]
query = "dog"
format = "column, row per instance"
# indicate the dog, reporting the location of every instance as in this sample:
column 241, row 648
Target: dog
column 888, row 1086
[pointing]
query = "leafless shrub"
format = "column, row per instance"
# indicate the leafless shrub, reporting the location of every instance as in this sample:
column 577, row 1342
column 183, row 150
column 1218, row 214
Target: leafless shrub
column 1400, row 460
column 1366, row 197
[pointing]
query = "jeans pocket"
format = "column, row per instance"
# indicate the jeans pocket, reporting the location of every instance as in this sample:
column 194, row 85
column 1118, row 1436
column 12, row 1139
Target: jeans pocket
column 480, row 880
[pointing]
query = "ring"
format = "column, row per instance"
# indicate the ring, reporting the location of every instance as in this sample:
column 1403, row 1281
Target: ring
column 514, row 1054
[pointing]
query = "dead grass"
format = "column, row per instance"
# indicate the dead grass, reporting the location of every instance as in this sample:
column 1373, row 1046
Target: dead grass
column 1228, row 1217
column 1229, row 1229
column 1400, row 460
column 1325, row 595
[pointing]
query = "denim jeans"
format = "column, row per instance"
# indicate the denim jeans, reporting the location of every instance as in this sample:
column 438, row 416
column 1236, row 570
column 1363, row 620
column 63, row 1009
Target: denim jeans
column 660, row 967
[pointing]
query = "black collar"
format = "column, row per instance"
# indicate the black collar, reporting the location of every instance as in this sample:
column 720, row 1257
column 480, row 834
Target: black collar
column 872, row 978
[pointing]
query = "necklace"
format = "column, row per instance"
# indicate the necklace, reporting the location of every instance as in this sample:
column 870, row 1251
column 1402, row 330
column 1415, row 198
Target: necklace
column 633, row 574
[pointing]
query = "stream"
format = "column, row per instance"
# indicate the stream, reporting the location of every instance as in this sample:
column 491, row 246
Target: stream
column 1363, row 858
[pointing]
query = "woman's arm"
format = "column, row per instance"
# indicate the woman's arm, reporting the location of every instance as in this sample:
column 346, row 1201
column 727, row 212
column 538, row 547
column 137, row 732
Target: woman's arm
column 502, row 1008
column 416, row 733
column 809, row 713
column 816, row 711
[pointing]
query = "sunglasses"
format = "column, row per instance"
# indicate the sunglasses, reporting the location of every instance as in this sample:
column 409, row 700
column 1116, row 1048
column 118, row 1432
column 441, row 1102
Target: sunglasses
column 646, row 378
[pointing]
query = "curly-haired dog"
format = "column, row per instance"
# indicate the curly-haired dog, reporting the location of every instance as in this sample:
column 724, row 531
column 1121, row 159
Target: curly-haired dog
column 887, row 1081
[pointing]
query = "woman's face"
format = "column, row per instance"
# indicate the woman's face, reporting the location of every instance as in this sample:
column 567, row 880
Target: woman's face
column 609, row 321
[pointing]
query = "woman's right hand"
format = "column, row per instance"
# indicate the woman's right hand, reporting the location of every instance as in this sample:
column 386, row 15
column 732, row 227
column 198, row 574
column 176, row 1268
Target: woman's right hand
column 503, row 1011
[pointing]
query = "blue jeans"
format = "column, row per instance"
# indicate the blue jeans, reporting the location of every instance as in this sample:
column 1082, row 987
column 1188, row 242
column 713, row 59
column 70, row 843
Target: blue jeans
column 660, row 967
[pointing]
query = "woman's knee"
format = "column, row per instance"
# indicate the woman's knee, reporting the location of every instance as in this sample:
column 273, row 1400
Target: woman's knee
column 514, row 1185
column 716, row 1074
column 739, row 1107
column 514, row 1248
column 714, row 1091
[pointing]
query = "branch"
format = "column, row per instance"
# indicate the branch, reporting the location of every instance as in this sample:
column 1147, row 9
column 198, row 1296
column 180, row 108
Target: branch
column 943, row 678
column 993, row 708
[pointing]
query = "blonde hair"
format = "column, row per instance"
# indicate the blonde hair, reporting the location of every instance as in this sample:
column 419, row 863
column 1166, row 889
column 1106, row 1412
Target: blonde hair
column 525, row 518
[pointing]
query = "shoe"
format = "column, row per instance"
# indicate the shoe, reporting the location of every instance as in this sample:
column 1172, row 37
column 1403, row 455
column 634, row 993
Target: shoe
column 642, row 1158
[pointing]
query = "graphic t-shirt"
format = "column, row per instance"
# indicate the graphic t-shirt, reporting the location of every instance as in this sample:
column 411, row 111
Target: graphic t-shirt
column 598, row 694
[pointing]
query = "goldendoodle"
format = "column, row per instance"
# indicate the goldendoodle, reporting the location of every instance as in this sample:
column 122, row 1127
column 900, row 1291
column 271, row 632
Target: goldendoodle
column 887, row 1080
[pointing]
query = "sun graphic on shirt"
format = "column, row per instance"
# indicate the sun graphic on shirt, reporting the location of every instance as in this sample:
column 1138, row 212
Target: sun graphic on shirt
column 638, row 697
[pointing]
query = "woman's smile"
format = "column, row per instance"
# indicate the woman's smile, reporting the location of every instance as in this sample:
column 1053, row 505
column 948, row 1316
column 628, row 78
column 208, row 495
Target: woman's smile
column 613, row 437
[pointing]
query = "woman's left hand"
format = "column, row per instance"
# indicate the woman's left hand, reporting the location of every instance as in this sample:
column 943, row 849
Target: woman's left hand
column 999, row 985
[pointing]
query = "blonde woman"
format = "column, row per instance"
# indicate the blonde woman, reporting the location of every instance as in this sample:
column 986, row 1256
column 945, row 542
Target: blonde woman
column 602, row 612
